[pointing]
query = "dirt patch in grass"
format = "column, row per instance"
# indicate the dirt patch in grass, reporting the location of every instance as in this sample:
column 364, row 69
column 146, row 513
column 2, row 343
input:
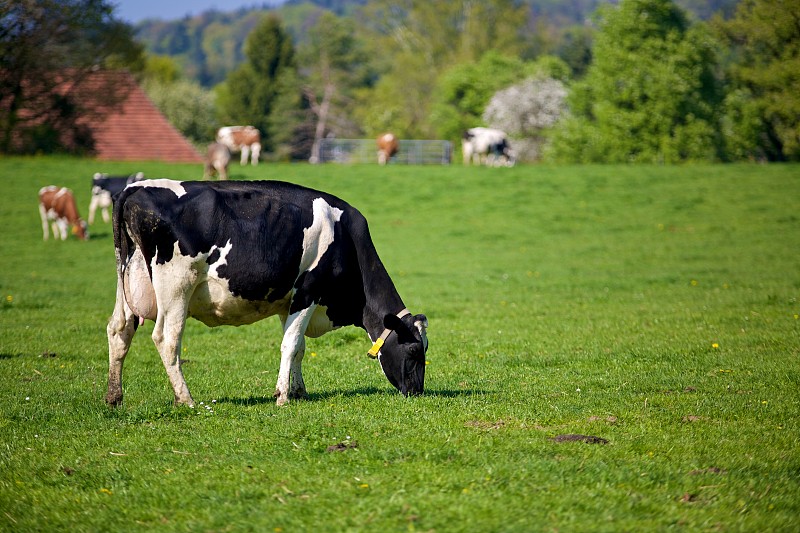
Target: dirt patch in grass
column 342, row 447
column 574, row 437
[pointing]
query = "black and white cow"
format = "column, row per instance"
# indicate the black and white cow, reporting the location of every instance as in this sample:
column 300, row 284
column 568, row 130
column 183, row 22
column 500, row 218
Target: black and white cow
column 232, row 253
column 487, row 146
column 104, row 188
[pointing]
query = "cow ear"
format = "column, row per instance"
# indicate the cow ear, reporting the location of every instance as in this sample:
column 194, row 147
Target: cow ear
column 393, row 323
column 421, row 321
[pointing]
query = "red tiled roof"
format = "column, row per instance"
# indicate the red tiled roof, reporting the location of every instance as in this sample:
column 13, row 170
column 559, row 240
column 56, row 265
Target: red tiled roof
column 137, row 131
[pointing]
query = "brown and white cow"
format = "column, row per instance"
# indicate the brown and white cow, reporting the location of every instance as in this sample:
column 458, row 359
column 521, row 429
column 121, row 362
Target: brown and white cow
column 388, row 145
column 218, row 157
column 57, row 205
column 244, row 139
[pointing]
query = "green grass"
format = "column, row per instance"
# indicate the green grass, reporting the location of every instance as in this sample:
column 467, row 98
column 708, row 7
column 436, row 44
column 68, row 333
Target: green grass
column 655, row 307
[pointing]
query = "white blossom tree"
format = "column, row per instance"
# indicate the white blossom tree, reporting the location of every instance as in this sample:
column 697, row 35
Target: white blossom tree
column 524, row 111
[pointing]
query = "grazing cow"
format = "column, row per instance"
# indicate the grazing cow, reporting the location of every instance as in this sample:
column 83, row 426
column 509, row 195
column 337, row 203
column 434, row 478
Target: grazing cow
column 217, row 159
column 104, row 188
column 388, row 145
column 234, row 252
column 244, row 139
column 57, row 205
column 487, row 146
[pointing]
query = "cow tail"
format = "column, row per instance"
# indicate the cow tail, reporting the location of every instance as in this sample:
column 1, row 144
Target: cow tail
column 123, row 244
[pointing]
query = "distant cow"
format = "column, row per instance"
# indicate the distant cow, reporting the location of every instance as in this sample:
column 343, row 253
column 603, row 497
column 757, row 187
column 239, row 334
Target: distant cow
column 57, row 205
column 487, row 146
column 388, row 145
column 104, row 188
column 244, row 139
column 235, row 252
column 218, row 157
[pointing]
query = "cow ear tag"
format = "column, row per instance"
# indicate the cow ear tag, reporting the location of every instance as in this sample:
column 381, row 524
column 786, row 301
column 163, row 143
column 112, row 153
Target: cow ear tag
column 373, row 352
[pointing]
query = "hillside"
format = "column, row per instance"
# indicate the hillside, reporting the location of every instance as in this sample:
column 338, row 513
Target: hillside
column 210, row 45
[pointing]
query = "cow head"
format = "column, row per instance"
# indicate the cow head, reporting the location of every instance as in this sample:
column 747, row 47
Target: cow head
column 402, row 355
column 81, row 230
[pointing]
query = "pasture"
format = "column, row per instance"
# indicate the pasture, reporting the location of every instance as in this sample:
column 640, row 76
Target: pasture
column 653, row 307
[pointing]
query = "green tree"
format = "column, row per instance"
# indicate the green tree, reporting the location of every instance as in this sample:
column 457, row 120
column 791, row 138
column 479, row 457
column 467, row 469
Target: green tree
column 250, row 92
column 447, row 32
column 764, row 103
column 417, row 40
column 464, row 91
column 162, row 69
column 400, row 100
column 47, row 50
column 650, row 94
column 188, row 106
column 335, row 65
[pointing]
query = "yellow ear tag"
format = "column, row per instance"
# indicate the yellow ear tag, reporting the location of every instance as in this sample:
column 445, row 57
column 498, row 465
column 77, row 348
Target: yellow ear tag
column 373, row 352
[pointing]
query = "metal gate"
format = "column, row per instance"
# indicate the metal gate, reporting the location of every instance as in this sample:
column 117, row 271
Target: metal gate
column 366, row 151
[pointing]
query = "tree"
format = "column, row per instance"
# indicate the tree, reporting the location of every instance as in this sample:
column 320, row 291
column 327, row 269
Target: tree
column 250, row 92
column 335, row 65
column 764, row 103
column 650, row 94
column 447, row 32
column 418, row 40
column 48, row 49
column 465, row 90
column 526, row 111
column 400, row 100
column 187, row 106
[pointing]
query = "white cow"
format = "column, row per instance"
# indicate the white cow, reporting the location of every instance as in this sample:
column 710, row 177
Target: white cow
column 487, row 146
column 244, row 139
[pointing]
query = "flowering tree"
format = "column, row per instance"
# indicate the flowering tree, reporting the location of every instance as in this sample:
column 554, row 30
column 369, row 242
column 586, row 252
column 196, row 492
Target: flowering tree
column 525, row 111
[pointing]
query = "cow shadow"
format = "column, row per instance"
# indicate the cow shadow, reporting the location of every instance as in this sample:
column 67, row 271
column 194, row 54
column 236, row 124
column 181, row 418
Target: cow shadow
column 350, row 393
column 99, row 235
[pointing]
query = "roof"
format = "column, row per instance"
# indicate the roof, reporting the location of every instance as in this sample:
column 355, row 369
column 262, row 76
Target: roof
column 137, row 131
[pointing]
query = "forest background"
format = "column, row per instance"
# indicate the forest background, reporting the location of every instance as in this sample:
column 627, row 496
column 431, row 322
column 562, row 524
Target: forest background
column 632, row 81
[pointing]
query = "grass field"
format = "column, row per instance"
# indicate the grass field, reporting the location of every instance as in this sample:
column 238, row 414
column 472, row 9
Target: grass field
column 653, row 307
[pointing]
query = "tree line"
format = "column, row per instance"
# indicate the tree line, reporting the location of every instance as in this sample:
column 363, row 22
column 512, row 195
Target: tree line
column 644, row 81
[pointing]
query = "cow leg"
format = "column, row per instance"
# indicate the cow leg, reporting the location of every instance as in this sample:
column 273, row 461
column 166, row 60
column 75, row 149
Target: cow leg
column 245, row 154
column 62, row 225
column 297, row 387
column 167, row 336
column 121, row 328
column 290, row 376
column 92, row 209
column 45, row 225
column 255, row 149
column 172, row 301
column 222, row 171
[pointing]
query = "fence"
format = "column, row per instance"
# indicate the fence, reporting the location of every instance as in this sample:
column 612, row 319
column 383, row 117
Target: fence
column 366, row 151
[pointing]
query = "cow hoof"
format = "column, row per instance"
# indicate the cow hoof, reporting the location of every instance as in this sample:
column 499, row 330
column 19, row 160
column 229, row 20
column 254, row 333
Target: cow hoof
column 282, row 401
column 299, row 394
column 113, row 400
column 187, row 402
